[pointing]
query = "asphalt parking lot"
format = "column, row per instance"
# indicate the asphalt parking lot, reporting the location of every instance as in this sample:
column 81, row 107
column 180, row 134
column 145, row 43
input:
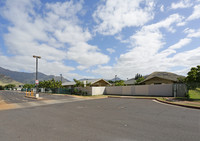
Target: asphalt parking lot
column 19, row 97
column 110, row 119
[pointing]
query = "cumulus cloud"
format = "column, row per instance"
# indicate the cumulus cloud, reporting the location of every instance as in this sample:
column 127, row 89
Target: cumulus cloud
column 145, row 56
column 181, row 4
column 87, row 55
column 162, row 8
column 55, row 34
column 167, row 23
column 194, row 33
column 181, row 43
column 110, row 50
column 195, row 14
column 114, row 15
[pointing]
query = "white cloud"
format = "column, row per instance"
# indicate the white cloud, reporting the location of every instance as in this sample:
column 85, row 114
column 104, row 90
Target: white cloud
column 115, row 15
column 86, row 55
column 110, row 50
column 56, row 35
column 167, row 23
column 181, row 43
column 181, row 4
column 192, row 33
column 145, row 56
column 188, row 30
column 162, row 8
column 195, row 14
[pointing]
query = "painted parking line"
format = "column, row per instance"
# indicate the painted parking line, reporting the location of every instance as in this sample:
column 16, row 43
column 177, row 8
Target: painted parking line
column 45, row 102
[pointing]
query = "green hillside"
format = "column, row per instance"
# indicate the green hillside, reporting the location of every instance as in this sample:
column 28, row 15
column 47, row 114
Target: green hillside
column 4, row 80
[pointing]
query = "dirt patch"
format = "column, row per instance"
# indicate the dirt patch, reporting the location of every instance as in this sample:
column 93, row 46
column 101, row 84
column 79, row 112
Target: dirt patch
column 189, row 103
column 181, row 102
column 5, row 106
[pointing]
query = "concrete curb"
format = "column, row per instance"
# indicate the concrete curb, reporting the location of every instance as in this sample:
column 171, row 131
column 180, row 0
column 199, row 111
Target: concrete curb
column 150, row 98
column 187, row 106
column 33, row 97
column 166, row 102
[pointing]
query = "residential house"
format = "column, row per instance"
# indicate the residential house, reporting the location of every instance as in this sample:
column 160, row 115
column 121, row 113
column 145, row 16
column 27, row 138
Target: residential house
column 130, row 82
column 93, row 83
column 161, row 78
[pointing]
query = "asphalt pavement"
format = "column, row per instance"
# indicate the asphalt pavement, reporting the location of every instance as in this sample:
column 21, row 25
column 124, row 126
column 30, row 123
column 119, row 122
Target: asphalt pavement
column 19, row 97
column 109, row 119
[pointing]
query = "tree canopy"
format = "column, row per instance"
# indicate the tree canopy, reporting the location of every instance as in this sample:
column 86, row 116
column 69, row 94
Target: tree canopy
column 10, row 86
column 193, row 75
column 140, row 79
column 137, row 76
column 28, row 86
column 119, row 83
column 81, row 83
column 50, row 84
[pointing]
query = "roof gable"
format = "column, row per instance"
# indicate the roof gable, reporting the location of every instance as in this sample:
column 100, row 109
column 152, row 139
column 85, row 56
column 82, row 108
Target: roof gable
column 163, row 75
column 92, row 81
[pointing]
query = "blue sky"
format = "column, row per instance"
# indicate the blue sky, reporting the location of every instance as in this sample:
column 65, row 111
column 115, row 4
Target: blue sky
column 100, row 39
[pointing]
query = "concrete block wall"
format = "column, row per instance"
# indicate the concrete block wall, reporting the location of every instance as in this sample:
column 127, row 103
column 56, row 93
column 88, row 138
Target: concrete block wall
column 141, row 90
column 137, row 90
column 98, row 90
column 85, row 89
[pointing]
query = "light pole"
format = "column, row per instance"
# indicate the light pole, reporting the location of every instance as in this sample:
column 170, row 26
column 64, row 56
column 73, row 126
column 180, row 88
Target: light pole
column 36, row 78
column 115, row 78
column 61, row 77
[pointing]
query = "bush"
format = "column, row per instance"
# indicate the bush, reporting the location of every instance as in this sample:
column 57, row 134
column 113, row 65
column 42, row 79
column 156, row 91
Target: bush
column 1, row 87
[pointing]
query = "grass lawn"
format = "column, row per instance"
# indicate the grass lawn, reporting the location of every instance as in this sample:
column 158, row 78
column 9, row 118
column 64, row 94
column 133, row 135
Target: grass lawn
column 194, row 94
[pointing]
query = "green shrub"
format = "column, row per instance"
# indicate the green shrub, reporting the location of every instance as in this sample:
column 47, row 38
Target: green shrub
column 1, row 87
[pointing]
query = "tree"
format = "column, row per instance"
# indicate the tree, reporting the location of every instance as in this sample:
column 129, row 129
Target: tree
column 193, row 75
column 1, row 87
column 81, row 83
column 181, row 79
column 140, row 79
column 193, row 78
column 110, row 81
column 119, row 83
column 8, row 86
column 50, row 84
column 137, row 76
column 28, row 86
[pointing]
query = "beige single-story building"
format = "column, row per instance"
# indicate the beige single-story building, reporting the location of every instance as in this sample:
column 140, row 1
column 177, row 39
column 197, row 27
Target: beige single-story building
column 93, row 83
column 161, row 78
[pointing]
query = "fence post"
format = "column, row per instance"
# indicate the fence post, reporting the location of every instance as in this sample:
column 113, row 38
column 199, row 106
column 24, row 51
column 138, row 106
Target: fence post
column 175, row 90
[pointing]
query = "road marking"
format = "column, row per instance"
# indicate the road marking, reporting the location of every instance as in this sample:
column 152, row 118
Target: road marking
column 46, row 102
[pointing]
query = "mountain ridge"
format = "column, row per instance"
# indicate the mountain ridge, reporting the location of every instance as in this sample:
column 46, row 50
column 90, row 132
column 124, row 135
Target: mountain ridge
column 4, row 80
column 25, row 77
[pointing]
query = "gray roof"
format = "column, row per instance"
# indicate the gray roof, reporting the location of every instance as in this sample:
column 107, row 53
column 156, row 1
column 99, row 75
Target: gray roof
column 130, row 81
column 92, row 81
column 68, row 83
column 164, row 75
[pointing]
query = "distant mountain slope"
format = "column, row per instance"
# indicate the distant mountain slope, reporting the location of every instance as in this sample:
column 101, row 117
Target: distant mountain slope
column 4, row 80
column 24, row 77
column 117, row 79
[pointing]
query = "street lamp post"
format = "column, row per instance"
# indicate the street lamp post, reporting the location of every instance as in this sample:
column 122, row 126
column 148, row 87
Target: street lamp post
column 115, row 78
column 61, row 77
column 36, row 78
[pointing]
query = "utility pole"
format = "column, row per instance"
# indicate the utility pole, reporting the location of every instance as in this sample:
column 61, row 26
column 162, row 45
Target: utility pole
column 61, row 77
column 36, row 77
column 115, row 78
